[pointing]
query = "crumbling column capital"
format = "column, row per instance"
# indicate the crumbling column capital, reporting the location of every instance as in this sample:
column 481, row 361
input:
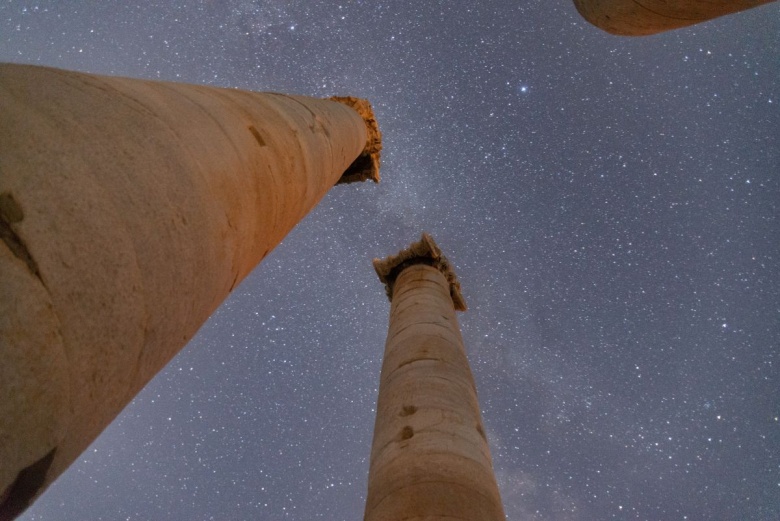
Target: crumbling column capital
column 424, row 251
column 366, row 166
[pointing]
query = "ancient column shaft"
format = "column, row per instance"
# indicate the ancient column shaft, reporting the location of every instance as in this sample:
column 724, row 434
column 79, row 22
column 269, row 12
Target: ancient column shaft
column 430, row 457
column 129, row 210
column 638, row 18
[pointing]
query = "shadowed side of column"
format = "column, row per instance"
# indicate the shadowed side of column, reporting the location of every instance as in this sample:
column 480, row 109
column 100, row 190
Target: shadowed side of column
column 129, row 210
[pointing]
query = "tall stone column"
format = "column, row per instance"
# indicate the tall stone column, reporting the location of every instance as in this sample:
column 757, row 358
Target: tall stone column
column 129, row 210
column 643, row 17
column 430, row 457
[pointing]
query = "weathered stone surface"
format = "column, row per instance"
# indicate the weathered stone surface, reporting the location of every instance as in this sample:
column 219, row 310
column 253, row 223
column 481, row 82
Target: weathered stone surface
column 129, row 210
column 366, row 166
column 430, row 457
column 424, row 251
column 643, row 17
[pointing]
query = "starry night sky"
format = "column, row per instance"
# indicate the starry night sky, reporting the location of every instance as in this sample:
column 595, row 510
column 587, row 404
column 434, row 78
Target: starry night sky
column 609, row 204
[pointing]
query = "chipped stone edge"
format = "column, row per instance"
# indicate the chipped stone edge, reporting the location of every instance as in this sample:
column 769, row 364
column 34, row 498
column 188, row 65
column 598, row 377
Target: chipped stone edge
column 366, row 166
column 424, row 251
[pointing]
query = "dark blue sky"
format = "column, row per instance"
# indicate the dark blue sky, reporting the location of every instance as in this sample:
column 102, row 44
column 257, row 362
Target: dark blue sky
column 610, row 206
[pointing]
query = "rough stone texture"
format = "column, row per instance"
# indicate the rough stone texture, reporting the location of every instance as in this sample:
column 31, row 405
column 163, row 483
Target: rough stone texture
column 366, row 166
column 643, row 17
column 430, row 457
column 129, row 210
column 423, row 251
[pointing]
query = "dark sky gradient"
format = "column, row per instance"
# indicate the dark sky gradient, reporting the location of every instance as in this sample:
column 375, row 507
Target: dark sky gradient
column 609, row 204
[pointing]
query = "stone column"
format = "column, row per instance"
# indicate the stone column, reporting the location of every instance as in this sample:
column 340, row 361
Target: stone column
column 129, row 210
column 430, row 457
column 639, row 18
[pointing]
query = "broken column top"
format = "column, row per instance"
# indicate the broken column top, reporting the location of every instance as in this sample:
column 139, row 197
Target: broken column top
column 424, row 251
column 366, row 166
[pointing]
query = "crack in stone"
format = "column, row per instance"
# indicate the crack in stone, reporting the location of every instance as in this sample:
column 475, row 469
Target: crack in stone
column 420, row 359
column 10, row 213
column 663, row 15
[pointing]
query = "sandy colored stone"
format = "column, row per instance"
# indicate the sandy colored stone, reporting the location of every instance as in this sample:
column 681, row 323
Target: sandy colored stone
column 643, row 17
column 129, row 210
column 430, row 457
column 427, row 250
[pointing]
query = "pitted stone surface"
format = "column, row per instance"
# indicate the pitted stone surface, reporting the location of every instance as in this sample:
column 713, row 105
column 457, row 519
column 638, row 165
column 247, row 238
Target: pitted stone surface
column 129, row 210
column 430, row 457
